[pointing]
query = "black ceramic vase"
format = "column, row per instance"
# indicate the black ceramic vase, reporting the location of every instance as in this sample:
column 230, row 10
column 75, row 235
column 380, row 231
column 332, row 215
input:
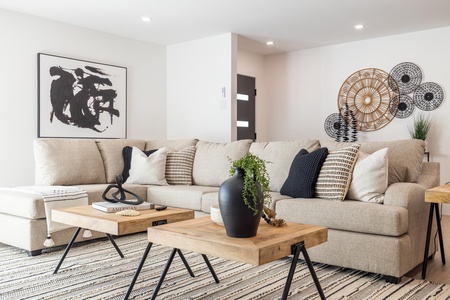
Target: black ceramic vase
column 238, row 219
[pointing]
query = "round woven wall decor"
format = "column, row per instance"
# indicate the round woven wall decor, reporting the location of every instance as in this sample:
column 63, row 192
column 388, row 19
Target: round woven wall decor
column 404, row 106
column 333, row 124
column 408, row 77
column 428, row 96
column 369, row 93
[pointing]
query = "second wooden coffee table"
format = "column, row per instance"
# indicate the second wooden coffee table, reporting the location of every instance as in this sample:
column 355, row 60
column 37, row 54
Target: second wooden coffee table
column 112, row 224
column 205, row 237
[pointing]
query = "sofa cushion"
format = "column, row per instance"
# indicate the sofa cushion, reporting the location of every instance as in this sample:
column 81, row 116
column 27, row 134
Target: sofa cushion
column 67, row 162
column 336, row 173
column 127, row 155
column 405, row 157
column 175, row 145
column 148, row 169
column 305, row 168
column 370, row 177
column 111, row 152
column 179, row 166
column 348, row 215
column 280, row 156
column 212, row 161
column 182, row 196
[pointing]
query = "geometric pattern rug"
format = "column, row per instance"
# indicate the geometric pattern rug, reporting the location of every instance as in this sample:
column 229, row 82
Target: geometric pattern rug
column 94, row 270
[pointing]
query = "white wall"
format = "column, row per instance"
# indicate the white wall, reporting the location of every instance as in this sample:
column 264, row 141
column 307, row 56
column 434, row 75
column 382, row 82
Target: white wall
column 22, row 37
column 196, row 72
column 303, row 86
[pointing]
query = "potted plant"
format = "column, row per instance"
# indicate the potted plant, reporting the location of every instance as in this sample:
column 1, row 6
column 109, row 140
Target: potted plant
column 421, row 127
column 243, row 196
column 256, row 181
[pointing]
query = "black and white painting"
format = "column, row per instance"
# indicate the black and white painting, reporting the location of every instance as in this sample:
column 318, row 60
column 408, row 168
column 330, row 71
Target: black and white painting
column 80, row 99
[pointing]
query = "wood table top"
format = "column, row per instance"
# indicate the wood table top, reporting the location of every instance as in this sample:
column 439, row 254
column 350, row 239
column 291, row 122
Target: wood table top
column 94, row 219
column 439, row 194
column 204, row 236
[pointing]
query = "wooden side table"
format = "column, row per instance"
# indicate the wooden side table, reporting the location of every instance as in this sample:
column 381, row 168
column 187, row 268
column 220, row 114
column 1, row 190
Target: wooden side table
column 436, row 195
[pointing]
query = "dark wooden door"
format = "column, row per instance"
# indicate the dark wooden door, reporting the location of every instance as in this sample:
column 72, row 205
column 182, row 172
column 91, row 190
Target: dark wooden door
column 246, row 94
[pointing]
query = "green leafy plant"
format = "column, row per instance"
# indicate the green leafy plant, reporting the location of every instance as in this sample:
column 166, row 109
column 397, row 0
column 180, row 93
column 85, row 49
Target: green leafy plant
column 255, row 172
column 421, row 127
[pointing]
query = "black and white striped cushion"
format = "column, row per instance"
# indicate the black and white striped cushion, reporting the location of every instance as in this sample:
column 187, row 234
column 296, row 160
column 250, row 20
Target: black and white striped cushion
column 336, row 173
column 179, row 166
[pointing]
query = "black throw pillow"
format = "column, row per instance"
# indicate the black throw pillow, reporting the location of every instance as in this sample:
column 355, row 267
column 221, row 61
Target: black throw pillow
column 126, row 154
column 305, row 169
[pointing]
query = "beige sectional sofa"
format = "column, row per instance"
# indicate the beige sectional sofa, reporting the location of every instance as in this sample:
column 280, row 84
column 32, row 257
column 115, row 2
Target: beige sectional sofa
column 386, row 238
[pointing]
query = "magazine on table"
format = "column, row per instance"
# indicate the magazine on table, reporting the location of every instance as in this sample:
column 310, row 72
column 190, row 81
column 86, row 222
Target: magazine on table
column 115, row 207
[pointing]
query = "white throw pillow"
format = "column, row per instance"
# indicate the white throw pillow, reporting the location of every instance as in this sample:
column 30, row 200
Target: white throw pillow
column 148, row 170
column 370, row 177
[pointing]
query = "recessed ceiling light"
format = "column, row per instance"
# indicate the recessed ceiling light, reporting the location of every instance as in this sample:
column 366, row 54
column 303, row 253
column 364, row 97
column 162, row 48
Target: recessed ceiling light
column 146, row 19
column 269, row 43
column 359, row 26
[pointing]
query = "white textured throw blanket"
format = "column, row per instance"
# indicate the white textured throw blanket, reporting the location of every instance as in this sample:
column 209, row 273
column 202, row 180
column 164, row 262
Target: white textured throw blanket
column 57, row 197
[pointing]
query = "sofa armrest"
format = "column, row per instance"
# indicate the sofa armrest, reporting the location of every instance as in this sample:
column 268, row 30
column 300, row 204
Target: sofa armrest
column 411, row 197
column 430, row 175
column 404, row 194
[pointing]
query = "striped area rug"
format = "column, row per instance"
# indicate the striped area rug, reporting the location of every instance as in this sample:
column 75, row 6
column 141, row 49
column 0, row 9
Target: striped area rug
column 95, row 271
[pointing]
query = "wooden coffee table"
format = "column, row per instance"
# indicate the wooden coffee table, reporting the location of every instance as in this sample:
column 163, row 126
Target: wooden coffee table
column 205, row 237
column 111, row 224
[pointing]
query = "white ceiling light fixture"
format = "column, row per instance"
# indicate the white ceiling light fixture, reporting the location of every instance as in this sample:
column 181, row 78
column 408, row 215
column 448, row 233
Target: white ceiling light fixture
column 359, row 26
column 269, row 43
column 146, row 19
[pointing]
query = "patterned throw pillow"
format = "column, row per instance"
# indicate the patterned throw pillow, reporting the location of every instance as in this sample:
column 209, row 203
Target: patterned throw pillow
column 179, row 166
column 336, row 173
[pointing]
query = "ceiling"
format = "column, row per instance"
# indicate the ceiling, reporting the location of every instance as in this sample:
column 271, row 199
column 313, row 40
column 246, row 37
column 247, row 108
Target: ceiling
column 290, row 24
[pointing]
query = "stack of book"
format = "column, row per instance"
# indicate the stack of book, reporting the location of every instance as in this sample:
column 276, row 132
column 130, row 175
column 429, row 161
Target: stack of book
column 115, row 207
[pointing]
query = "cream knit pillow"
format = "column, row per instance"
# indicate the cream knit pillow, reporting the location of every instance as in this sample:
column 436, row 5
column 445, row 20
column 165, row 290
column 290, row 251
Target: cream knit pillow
column 370, row 177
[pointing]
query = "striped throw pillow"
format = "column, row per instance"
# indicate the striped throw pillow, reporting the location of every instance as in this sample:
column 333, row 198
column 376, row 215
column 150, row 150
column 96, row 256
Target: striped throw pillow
column 179, row 166
column 336, row 173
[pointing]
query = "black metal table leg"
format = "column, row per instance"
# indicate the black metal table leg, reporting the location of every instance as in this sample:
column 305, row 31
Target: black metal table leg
column 185, row 263
column 163, row 275
column 115, row 245
column 67, row 249
column 427, row 241
column 138, row 270
column 441, row 240
column 312, row 272
column 216, row 279
column 296, row 249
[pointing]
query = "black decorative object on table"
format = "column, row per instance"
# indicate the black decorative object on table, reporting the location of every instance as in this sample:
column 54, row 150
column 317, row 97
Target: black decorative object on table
column 238, row 219
column 122, row 192
column 428, row 96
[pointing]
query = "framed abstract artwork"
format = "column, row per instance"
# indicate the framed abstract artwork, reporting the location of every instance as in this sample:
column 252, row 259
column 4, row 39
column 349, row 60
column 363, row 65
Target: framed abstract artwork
column 81, row 99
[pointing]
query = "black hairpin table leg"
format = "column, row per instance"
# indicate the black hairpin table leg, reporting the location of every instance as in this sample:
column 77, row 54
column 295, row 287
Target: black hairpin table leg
column 163, row 275
column 115, row 245
column 216, row 279
column 296, row 249
column 67, row 249
column 138, row 270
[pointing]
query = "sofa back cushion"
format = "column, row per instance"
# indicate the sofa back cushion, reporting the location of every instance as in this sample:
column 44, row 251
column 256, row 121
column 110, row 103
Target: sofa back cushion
column 211, row 162
column 67, row 162
column 175, row 145
column 280, row 156
column 111, row 152
column 405, row 157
